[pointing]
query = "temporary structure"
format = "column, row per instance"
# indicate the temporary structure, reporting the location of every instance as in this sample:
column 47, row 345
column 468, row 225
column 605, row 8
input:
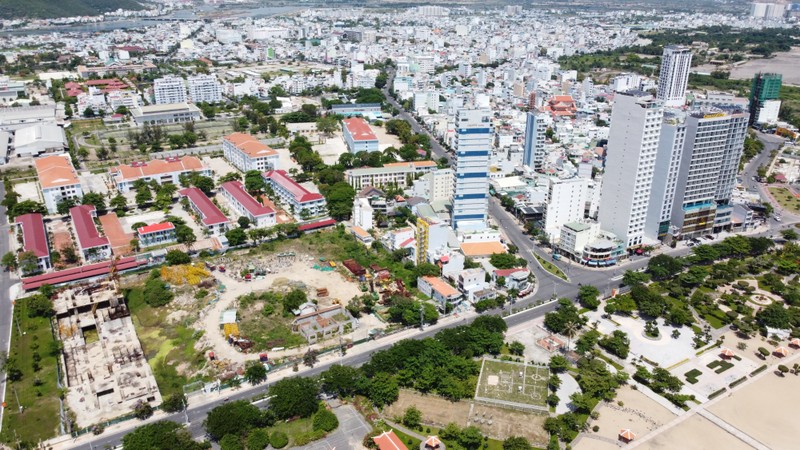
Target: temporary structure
column 782, row 351
column 727, row 353
column 627, row 435
column 432, row 442
column 795, row 342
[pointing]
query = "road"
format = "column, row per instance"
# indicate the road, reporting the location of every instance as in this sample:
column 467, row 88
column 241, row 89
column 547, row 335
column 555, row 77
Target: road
column 6, row 308
column 771, row 143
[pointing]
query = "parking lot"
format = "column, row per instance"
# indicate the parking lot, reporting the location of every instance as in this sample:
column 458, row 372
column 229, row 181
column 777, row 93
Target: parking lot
column 350, row 434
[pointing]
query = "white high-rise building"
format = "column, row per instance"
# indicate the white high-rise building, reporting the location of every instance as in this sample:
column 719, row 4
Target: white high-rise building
column 204, row 88
column 566, row 202
column 676, row 62
column 665, row 177
column 473, row 143
column 168, row 90
column 632, row 148
column 441, row 184
column 534, row 152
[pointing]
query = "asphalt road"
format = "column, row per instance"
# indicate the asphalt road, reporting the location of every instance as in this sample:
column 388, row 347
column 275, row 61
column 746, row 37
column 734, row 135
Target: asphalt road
column 771, row 142
column 6, row 308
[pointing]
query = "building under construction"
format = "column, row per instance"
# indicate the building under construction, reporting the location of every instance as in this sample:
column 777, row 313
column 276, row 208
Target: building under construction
column 105, row 367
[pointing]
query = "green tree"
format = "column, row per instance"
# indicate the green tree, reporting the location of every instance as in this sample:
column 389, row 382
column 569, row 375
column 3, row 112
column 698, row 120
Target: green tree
column 662, row 267
column 340, row 200
column 327, row 124
column 516, row 348
column 471, row 438
column 235, row 418
column 558, row 364
column 383, row 389
column 176, row 257
column 341, row 381
column 9, row 261
column 516, row 443
column 243, row 222
column 258, row 439
column 566, row 314
column 632, row 278
column 231, row 176
column 119, row 203
column 162, row 435
column 278, row 439
column 587, row 295
column 174, row 403
column 293, row 300
column 236, row 236
column 324, row 420
column 774, row 315
column 296, row 396
column 412, row 417
column 143, row 196
column 96, row 199
column 142, row 410
column 617, row 343
column 65, row 205
column 26, row 207
column 254, row 182
column 28, row 262
column 506, row 261
column 255, row 372
column 231, row 442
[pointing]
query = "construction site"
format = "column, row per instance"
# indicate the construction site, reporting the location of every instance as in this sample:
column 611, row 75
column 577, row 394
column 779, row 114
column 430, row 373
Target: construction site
column 105, row 368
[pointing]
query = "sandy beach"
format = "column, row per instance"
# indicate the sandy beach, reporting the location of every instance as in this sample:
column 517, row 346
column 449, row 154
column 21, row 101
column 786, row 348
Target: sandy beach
column 695, row 433
column 766, row 410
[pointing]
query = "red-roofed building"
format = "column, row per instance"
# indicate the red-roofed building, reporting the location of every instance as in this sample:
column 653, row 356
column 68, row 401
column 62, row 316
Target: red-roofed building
column 211, row 217
column 156, row 234
column 296, row 198
column 92, row 246
column 516, row 278
column 314, row 226
column 389, row 441
column 34, row 238
column 80, row 273
column 359, row 136
column 245, row 205
column 247, row 153
column 167, row 170
column 561, row 105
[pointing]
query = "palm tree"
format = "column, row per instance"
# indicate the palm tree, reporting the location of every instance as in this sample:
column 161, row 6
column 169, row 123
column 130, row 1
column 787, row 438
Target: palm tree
column 570, row 329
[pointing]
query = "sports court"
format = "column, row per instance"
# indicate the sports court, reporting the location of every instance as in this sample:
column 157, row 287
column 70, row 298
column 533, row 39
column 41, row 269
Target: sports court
column 513, row 384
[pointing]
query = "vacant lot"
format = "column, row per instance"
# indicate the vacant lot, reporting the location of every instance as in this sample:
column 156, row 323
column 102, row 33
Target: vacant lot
column 36, row 387
column 786, row 199
column 511, row 382
column 784, row 63
column 436, row 411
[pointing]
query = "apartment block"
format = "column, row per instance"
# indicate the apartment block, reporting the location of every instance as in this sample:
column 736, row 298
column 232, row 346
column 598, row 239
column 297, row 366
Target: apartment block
column 211, row 217
column 246, row 153
column 245, row 205
column 58, row 180
column 91, row 245
column 168, row 90
column 163, row 171
column 156, row 234
column 298, row 200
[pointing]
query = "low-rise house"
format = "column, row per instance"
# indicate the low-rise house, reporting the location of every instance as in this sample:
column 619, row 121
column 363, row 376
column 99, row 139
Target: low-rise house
column 324, row 323
column 163, row 171
column 362, row 235
column 245, row 205
column 471, row 281
column 211, row 217
column 246, row 153
column 156, row 234
column 165, row 114
column 34, row 239
column 438, row 290
column 91, row 245
column 516, row 278
column 58, row 180
column 302, row 203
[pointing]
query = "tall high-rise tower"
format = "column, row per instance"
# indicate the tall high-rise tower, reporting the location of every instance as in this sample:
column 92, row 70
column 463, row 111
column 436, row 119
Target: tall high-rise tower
column 169, row 89
column 472, row 145
column 535, row 128
column 632, row 149
column 676, row 62
column 766, row 86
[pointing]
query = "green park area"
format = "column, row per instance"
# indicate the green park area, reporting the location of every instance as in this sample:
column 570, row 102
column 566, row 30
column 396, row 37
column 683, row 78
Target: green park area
column 32, row 393
column 786, row 199
column 550, row 267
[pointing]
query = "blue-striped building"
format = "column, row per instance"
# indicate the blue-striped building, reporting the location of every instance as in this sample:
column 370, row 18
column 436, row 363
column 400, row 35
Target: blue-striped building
column 473, row 145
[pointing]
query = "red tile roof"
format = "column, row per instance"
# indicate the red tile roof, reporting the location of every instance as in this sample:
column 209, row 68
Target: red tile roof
column 300, row 193
column 359, row 129
column 85, row 228
column 389, row 441
column 211, row 214
column 507, row 272
column 236, row 189
column 79, row 273
column 34, row 236
column 315, row 225
column 155, row 228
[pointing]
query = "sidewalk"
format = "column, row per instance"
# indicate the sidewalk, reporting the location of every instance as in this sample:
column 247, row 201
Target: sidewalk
column 66, row 441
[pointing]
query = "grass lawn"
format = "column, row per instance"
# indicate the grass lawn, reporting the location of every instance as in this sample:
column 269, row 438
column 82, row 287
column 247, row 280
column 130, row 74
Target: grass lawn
column 299, row 431
column 550, row 267
column 785, row 199
column 268, row 331
column 714, row 321
column 165, row 347
column 691, row 376
column 39, row 419
column 411, row 442
column 719, row 366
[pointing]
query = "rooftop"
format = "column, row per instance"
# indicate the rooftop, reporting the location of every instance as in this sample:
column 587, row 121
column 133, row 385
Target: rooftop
column 577, row 226
column 414, row 164
column 359, row 129
column 211, row 214
column 236, row 189
column 482, row 248
column 250, row 145
column 85, row 228
column 389, row 441
column 165, row 108
column 299, row 193
column 156, row 227
column 55, row 171
column 440, row 286
column 34, row 236
column 136, row 170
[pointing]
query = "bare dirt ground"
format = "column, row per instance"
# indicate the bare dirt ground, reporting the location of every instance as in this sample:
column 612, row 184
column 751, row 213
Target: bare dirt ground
column 333, row 146
column 27, row 191
column 785, row 64
column 766, row 410
column 438, row 412
column 694, row 433
column 638, row 413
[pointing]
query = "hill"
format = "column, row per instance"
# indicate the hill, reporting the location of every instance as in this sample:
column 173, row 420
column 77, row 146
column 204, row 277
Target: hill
column 12, row 9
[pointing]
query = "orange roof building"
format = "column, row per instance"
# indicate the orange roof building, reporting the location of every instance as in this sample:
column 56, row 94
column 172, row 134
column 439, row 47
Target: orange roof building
column 437, row 289
column 561, row 106
column 164, row 171
column 482, row 249
column 389, row 441
column 246, row 153
column 58, row 180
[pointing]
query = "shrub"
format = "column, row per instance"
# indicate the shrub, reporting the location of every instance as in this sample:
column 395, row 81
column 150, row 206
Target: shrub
column 279, row 439
column 595, row 428
column 325, row 420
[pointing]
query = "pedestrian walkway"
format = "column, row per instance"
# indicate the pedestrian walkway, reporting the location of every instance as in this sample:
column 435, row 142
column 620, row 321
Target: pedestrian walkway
column 741, row 435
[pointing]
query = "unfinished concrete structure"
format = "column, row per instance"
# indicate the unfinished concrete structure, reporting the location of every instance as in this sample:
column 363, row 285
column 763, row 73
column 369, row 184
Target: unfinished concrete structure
column 324, row 324
column 105, row 367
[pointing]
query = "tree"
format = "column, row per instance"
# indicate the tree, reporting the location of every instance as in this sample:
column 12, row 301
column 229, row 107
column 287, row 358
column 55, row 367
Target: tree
column 26, row 207
column 558, row 364
column 506, row 261
column 69, row 254
column 310, row 357
column 516, row 348
column 174, row 403
column 278, row 439
column 162, row 435
column 156, row 293
column 28, row 262
column 176, row 257
column 341, row 381
column 632, row 278
column 258, row 439
column 39, row 306
column 255, row 372
column 231, row 442
column 558, row 320
column 324, row 420
column 292, row 397
column 662, row 267
column 783, row 370
column 516, row 443
column 774, row 316
column 412, row 417
column 243, row 222
column 789, row 234
column 234, row 418
column 254, row 182
column 471, row 438
column 205, row 184
column 236, row 236
column 587, row 295
column 230, row 176
column 185, row 235
column 119, row 203
column 327, row 124
column 96, row 199
column 293, row 300
column 143, row 196
column 383, row 389
column 617, row 344
column 65, row 205
column 142, row 410
column 9, row 261
column 340, row 200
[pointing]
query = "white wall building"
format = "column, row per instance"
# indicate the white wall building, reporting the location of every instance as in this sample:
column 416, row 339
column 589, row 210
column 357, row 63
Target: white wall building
column 676, row 62
column 246, row 153
column 566, row 202
column 362, row 213
column 204, row 88
column 246, row 206
column 169, row 89
column 58, row 180
column 473, row 143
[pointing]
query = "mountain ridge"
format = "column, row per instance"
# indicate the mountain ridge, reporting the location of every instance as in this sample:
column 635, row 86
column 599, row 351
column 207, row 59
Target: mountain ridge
column 49, row 9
